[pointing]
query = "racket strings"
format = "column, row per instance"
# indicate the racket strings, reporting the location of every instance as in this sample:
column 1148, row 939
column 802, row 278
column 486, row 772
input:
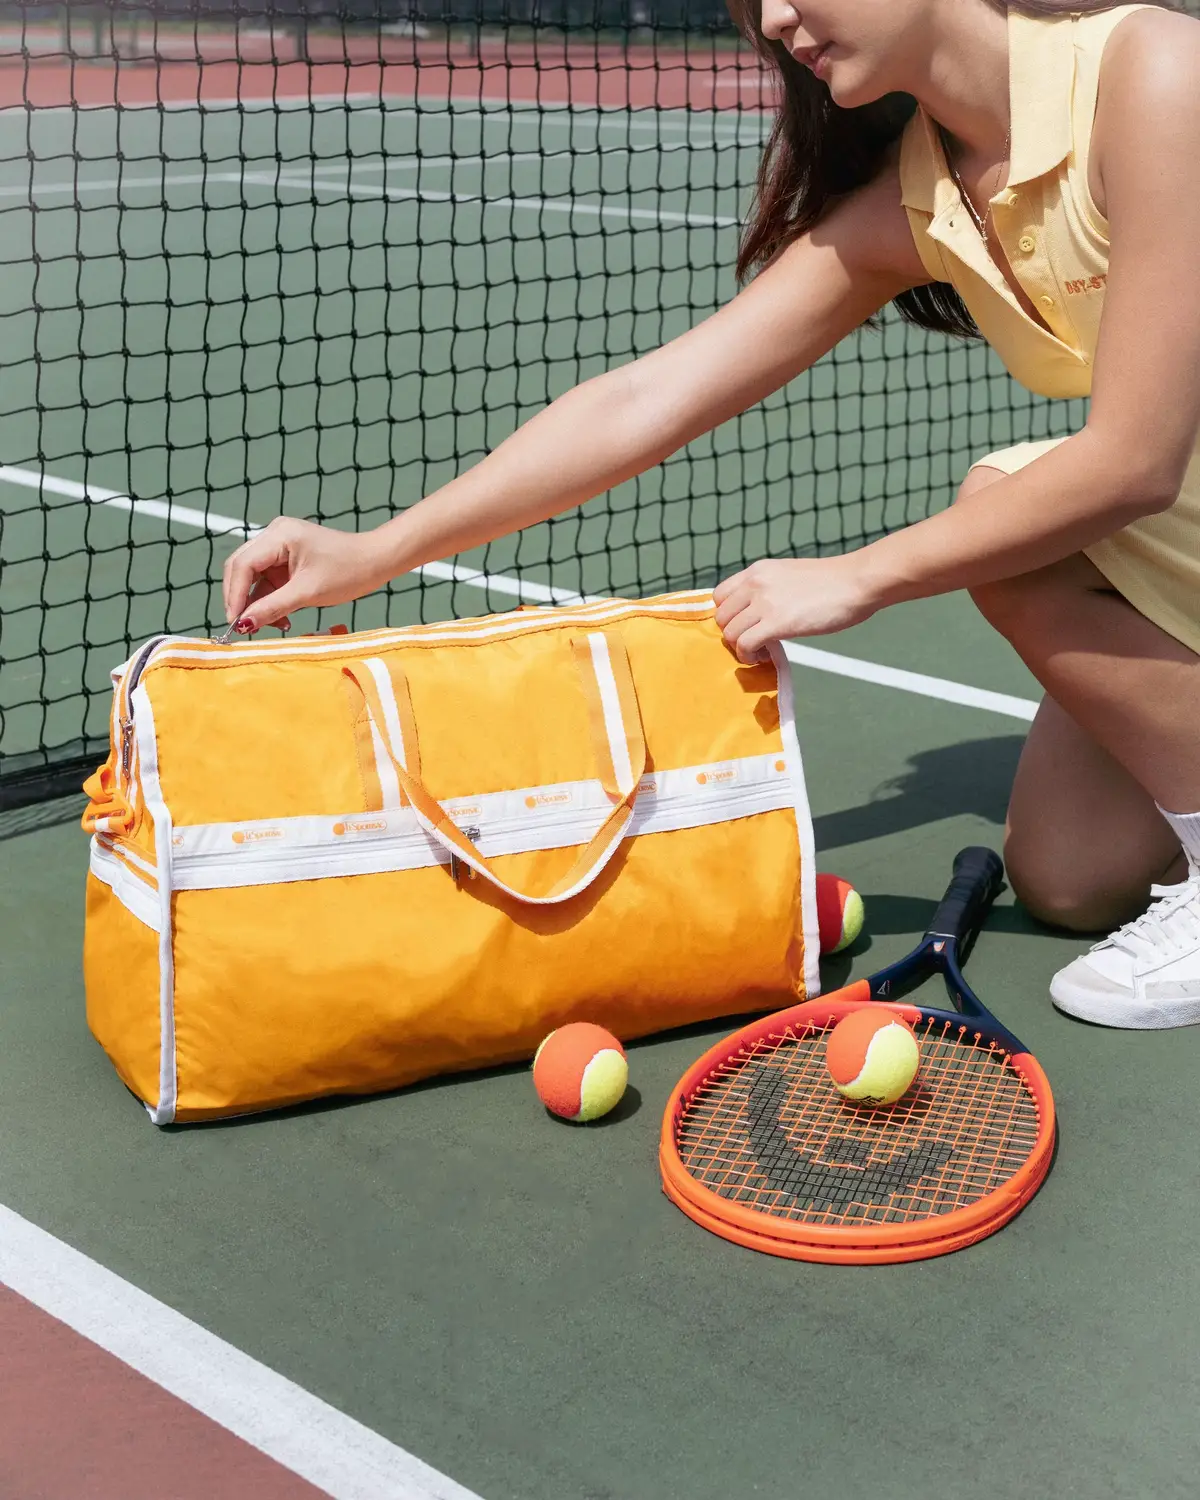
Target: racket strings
column 768, row 1130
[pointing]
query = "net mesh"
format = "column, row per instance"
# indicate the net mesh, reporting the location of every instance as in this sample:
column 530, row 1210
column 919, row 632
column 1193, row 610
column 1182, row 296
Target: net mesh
column 317, row 258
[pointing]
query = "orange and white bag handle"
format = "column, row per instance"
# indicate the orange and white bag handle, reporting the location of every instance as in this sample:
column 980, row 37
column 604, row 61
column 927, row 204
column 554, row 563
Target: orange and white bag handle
column 616, row 725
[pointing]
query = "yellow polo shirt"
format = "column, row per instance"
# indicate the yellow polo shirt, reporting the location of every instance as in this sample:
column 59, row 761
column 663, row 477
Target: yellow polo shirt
column 1057, row 244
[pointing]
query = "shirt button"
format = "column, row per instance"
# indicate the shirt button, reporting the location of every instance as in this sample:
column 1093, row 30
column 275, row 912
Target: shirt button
column 1027, row 243
column 1047, row 301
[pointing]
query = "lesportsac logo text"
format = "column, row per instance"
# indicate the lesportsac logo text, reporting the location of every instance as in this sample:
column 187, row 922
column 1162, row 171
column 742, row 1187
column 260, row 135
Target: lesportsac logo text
column 717, row 775
column 547, row 799
column 360, row 825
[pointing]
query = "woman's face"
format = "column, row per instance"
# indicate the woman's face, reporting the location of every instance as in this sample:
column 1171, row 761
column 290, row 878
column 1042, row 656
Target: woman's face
column 859, row 48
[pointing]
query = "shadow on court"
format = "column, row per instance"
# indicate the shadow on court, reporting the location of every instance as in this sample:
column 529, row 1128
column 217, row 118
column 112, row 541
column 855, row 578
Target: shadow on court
column 969, row 779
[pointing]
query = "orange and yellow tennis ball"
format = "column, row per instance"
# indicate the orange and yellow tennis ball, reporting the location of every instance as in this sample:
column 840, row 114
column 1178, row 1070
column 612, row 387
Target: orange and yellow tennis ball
column 839, row 913
column 872, row 1056
column 580, row 1071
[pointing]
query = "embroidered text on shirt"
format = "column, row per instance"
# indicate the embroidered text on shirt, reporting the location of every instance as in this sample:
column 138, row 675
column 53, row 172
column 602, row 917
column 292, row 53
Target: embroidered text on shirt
column 1085, row 284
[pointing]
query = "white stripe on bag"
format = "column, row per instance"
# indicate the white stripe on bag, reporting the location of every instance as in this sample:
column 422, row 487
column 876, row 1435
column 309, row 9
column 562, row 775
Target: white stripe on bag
column 389, row 782
column 391, row 714
column 610, row 703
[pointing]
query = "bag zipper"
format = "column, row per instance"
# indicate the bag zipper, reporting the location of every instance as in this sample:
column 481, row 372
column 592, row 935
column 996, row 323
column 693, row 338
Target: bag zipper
column 129, row 681
column 456, row 864
column 562, row 831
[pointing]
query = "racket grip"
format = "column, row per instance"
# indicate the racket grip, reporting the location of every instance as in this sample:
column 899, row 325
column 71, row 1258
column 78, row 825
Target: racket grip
column 977, row 880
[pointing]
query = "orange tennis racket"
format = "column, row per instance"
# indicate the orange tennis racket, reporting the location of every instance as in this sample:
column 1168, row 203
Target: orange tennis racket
column 758, row 1145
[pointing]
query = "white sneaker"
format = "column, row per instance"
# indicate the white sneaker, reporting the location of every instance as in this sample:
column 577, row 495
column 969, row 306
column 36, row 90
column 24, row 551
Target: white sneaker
column 1146, row 976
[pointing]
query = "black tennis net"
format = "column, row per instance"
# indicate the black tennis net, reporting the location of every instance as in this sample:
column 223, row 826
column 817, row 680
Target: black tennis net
column 316, row 258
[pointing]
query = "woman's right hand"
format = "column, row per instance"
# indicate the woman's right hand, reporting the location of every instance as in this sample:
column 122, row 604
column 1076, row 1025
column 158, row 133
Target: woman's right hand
column 292, row 564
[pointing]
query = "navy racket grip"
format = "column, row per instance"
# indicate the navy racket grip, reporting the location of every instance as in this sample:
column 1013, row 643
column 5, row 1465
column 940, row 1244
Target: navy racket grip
column 977, row 880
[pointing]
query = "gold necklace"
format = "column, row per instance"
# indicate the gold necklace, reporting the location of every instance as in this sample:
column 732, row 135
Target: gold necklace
column 980, row 223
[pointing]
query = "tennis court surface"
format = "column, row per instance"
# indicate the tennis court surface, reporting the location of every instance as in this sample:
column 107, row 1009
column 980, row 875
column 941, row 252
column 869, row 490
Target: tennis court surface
column 262, row 267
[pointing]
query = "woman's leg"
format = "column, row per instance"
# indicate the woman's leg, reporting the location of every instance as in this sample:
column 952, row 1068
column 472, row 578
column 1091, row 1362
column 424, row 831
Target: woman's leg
column 1114, row 745
column 1084, row 841
column 1124, row 681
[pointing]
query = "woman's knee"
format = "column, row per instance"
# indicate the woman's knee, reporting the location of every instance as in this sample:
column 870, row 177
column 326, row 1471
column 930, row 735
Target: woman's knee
column 1062, row 894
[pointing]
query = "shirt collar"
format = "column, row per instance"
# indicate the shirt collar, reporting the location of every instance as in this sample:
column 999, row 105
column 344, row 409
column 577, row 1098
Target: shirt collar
column 1041, row 71
column 1040, row 76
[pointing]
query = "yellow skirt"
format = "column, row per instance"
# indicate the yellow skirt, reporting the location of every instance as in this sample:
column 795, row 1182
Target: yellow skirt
column 1155, row 563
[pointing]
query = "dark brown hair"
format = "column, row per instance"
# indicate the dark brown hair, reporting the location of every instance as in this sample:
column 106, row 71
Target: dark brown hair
column 816, row 152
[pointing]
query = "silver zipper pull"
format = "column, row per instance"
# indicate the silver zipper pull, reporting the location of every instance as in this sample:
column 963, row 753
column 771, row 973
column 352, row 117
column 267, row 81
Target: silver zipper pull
column 456, row 864
column 126, row 747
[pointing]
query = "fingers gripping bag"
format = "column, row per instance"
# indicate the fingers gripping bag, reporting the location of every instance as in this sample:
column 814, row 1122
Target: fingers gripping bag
column 338, row 865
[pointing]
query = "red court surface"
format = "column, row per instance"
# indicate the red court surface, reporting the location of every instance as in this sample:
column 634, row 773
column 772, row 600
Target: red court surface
column 125, row 1438
column 547, row 73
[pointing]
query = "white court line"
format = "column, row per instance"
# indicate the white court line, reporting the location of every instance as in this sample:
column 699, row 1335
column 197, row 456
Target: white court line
column 519, row 112
column 911, row 682
column 218, row 525
column 320, row 168
column 813, row 657
column 282, row 1420
column 300, row 184
column 411, row 162
column 111, row 184
column 323, row 167
column 538, row 205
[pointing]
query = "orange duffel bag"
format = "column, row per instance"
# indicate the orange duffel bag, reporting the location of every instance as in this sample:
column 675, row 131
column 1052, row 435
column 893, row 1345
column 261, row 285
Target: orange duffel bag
column 334, row 865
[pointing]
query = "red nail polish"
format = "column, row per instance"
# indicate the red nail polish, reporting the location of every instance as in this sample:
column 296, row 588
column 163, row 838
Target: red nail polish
column 244, row 627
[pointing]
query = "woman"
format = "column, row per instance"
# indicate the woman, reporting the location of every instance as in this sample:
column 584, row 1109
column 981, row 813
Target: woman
column 1044, row 193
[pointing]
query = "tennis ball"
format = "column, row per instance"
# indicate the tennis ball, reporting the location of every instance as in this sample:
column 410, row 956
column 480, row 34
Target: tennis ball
column 872, row 1056
column 580, row 1071
column 839, row 913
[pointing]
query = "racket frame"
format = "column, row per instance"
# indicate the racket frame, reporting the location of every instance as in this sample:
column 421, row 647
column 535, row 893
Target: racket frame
column 957, row 921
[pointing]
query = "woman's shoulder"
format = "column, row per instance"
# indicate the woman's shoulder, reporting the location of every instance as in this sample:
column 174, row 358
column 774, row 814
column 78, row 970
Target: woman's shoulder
column 1141, row 35
column 1151, row 61
column 1148, row 91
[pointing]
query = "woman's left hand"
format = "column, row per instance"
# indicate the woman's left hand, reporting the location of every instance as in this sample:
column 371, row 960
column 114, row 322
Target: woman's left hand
column 774, row 599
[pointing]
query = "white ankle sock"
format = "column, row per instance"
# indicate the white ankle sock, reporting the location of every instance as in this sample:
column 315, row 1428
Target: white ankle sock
column 1187, row 830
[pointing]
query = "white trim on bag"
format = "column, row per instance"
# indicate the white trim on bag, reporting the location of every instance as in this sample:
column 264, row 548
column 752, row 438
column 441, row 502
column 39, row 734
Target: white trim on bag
column 808, row 854
column 474, row 859
column 610, row 703
column 447, row 632
column 389, row 782
column 264, row 852
column 127, row 775
column 126, row 852
column 138, row 899
column 391, row 711
column 385, row 767
column 147, row 743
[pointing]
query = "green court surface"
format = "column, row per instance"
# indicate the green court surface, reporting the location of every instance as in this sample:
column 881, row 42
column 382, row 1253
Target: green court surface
column 514, row 1301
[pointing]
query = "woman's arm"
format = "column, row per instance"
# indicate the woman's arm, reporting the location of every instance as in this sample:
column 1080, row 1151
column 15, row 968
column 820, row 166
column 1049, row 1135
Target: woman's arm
column 1129, row 461
column 609, row 428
